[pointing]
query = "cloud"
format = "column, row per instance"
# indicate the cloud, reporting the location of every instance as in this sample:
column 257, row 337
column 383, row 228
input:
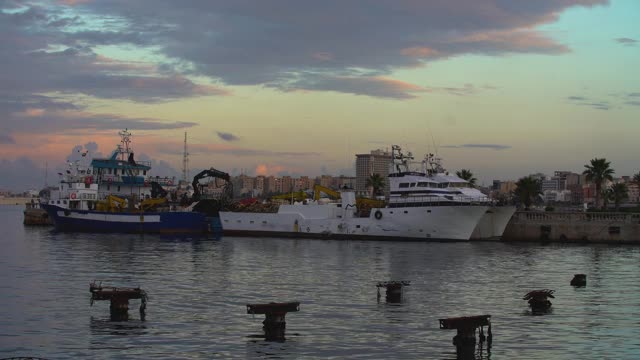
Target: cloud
column 349, row 47
column 466, row 90
column 6, row 139
column 585, row 101
column 227, row 136
column 626, row 41
column 371, row 86
column 479, row 146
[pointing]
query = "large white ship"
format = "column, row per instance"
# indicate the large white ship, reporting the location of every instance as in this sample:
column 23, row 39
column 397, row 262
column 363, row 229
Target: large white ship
column 420, row 207
column 428, row 181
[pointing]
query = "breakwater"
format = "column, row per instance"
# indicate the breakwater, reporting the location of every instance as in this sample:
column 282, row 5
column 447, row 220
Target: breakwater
column 607, row 227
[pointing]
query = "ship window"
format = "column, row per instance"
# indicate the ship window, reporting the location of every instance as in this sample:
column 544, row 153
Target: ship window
column 406, row 212
column 423, row 184
column 413, row 184
column 58, row 202
column 226, row 220
column 144, row 172
column 357, row 226
column 404, row 185
column 428, row 211
column 68, row 186
column 64, row 202
column 433, row 185
column 118, row 188
column 86, row 186
column 251, row 222
column 109, row 171
column 264, row 222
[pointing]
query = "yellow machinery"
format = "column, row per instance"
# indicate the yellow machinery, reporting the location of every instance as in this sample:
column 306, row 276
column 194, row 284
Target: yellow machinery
column 361, row 202
column 319, row 189
column 148, row 204
column 111, row 204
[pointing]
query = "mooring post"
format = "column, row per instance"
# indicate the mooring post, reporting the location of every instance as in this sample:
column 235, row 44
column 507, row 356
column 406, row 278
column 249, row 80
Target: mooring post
column 119, row 300
column 274, row 322
column 393, row 293
column 538, row 299
column 466, row 326
column 579, row 280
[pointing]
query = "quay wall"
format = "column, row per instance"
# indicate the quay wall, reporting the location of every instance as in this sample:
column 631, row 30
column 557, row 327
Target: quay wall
column 15, row 200
column 615, row 228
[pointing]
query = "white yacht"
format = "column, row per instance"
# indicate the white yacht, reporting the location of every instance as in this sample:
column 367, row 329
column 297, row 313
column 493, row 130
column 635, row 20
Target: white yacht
column 413, row 212
column 427, row 182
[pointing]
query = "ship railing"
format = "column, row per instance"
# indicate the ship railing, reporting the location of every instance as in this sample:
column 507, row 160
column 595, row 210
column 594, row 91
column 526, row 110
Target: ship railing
column 427, row 200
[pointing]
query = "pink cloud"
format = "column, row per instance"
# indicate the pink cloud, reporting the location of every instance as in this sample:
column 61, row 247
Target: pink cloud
column 420, row 52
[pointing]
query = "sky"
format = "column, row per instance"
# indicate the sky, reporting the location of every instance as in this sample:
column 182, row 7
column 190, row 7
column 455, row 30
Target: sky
column 505, row 88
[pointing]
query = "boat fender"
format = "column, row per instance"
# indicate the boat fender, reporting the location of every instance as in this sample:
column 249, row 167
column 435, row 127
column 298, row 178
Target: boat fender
column 73, row 195
column 378, row 214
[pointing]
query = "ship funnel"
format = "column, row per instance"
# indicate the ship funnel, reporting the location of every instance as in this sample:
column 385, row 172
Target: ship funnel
column 348, row 201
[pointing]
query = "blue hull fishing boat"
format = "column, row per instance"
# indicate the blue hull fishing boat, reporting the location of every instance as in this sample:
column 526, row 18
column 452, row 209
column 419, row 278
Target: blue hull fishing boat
column 166, row 222
column 118, row 194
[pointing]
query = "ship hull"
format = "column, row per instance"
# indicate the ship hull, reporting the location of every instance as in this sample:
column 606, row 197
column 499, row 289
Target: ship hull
column 152, row 222
column 493, row 223
column 436, row 223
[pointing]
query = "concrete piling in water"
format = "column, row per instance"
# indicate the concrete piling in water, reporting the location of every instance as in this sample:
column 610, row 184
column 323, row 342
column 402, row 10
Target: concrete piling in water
column 274, row 322
column 119, row 300
column 579, row 280
column 394, row 290
column 465, row 339
column 539, row 299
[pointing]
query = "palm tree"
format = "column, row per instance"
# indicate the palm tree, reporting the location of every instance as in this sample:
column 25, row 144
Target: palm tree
column 527, row 188
column 376, row 182
column 598, row 172
column 467, row 175
column 618, row 193
column 636, row 178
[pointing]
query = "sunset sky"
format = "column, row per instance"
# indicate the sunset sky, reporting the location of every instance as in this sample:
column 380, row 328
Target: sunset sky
column 502, row 87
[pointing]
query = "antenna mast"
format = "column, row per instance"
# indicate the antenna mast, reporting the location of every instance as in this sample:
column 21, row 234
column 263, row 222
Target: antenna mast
column 185, row 160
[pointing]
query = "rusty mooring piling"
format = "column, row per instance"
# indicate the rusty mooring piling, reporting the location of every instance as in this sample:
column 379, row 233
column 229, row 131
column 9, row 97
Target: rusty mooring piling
column 274, row 322
column 539, row 299
column 393, row 290
column 579, row 280
column 466, row 326
column 119, row 298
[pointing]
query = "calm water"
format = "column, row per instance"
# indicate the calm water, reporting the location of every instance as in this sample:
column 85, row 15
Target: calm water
column 198, row 289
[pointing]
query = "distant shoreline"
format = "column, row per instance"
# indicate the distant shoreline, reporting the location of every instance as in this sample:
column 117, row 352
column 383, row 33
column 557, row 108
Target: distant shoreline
column 16, row 200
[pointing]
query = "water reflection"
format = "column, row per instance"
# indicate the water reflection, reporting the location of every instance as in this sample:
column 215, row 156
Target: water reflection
column 104, row 326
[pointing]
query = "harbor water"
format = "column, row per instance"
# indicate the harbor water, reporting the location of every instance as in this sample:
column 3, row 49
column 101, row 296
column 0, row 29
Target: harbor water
column 198, row 290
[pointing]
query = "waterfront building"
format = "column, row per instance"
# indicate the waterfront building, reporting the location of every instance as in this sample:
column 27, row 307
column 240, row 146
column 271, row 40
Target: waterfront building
column 259, row 185
column 376, row 162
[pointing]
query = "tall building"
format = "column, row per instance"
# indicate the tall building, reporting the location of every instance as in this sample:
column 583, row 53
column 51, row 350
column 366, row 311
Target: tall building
column 376, row 162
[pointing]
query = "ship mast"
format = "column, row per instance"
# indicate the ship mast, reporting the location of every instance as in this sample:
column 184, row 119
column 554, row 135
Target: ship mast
column 185, row 160
column 124, row 149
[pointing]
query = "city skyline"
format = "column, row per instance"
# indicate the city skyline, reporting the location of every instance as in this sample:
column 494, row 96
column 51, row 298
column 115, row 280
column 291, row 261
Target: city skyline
column 502, row 88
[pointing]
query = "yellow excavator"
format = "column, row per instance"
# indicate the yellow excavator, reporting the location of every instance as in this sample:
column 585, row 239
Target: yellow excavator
column 149, row 204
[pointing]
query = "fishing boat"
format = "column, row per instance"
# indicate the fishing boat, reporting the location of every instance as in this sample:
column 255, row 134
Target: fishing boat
column 418, row 208
column 118, row 194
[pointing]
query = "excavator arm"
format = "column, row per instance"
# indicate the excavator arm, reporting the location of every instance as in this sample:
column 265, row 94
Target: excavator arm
column 319, row 189
column 211, row 173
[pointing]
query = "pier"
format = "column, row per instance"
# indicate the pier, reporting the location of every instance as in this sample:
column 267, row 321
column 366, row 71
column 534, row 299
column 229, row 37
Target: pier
column 579, row 227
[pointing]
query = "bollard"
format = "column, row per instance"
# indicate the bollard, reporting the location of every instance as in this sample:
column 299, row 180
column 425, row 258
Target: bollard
column 393, row 290
column 119, row 299
column 579, row 280
column 274, row 322
column 466, row 326
column 538, row 299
